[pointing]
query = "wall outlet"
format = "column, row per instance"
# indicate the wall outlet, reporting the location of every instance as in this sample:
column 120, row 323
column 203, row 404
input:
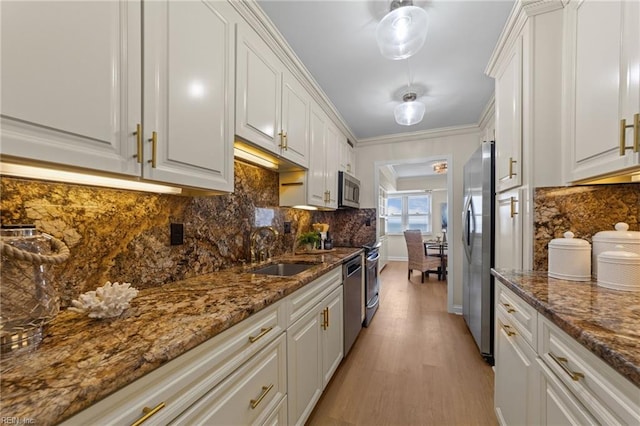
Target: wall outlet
column 177, row 234
column 287, row 227
column 367, row 222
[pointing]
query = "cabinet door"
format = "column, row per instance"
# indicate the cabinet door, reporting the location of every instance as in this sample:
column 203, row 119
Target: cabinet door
column 296, row 107
column 304, row 365
column 332, row 162
column 332, row 336
column 516, row 377
column 259, row 91
column 317, row 157
column 509, row 234
column 508, row 106
column 602, row 59
column 189, row 93
column 71, row 83
column 558, row 405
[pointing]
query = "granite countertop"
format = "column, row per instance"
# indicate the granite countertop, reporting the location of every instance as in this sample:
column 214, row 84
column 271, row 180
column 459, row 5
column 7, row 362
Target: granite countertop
column 607, row 322
column 82, row 360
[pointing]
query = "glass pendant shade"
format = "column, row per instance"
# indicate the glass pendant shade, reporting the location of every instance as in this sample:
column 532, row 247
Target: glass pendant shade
column 410, row 111
column 402, row 32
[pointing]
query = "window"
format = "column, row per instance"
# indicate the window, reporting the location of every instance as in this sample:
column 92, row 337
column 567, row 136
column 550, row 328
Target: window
column 408, row 211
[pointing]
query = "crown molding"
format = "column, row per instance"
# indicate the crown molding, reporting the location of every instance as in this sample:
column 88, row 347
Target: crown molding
column 251, row 11
column 521, row 12
column 488, row 113
column 420, row 136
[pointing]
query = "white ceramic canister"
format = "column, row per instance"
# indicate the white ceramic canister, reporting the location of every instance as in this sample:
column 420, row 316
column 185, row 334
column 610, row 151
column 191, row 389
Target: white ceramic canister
column 619, row 269
column 608, row 240
column 570, row 258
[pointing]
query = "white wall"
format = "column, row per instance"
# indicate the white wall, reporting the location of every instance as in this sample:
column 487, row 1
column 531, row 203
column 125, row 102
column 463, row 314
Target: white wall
column 458, row 147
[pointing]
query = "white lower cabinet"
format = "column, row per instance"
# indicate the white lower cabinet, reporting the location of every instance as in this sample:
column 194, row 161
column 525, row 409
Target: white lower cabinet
column 248, row 396
column 516, row 371
column 314, row 344
column 544, row 376
column 269, row 369
column 557, row 405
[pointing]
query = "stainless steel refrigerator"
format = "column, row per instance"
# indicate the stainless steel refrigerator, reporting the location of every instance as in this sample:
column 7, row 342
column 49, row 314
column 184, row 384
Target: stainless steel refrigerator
column 478, row 241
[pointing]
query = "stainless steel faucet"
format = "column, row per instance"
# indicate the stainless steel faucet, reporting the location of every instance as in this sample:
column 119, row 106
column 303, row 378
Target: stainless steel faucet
column 259, row 252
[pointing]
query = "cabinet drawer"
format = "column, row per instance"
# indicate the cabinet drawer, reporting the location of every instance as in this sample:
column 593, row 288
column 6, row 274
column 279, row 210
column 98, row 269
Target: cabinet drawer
column 249, row 395
column 300, row 302
column 558, row 404
column 610, row 398
column 182, row 381
column 521, row 315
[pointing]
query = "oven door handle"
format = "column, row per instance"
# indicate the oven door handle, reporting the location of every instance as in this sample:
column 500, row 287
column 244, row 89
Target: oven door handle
column 373, row 302
column 373, row 258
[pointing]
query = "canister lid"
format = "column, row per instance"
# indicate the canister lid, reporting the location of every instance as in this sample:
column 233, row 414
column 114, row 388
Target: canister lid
column 620, row 256
column 569, row 241
column 621, row 234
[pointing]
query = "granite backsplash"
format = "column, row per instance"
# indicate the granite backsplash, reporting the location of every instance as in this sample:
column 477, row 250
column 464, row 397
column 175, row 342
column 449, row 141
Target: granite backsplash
column 583, row 210
column 121, row 235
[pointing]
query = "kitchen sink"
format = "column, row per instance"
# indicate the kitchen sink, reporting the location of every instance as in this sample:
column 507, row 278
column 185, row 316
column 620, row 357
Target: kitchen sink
column 283, row 269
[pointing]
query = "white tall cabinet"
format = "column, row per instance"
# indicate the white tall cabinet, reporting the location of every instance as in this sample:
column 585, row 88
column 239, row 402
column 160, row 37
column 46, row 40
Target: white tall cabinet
column 602, row 87
column 322, row 176
column 527, row 67
column 73, row 85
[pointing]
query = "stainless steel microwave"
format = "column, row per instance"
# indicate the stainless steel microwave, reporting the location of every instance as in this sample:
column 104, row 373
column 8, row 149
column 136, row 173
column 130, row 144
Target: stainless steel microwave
column 348, row 191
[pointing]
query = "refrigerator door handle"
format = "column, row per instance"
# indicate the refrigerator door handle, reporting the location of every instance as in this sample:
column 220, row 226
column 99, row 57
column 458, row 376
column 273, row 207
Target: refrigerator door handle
column 467, row 234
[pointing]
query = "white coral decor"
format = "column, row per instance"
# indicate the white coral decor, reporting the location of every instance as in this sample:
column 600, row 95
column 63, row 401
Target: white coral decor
column 107, row 301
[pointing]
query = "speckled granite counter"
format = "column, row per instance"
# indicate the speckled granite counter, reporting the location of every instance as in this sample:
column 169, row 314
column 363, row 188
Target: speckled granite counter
column 82, row 360
column 607, row 322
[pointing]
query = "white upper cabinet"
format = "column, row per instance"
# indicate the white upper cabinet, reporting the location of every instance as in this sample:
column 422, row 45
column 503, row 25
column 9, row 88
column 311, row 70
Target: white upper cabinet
column 72, row 88
column 347, row 156
column 602, row 78
column 296, row 113
column 317, row 190
column 272, row 107
column 509, row 119
column 189, row 93
column 71, row 83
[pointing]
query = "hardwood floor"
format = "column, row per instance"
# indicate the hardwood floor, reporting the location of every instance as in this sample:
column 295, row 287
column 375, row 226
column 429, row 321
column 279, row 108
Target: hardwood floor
column 416, row 364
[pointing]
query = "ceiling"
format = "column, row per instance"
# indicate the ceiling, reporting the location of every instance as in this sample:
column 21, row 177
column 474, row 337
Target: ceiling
column 335, row 40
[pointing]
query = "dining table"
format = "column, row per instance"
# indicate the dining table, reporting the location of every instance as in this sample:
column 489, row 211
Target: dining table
column 440, row 247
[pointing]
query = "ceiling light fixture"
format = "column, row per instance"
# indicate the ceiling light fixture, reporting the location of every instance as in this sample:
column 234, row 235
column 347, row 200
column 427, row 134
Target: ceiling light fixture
column 440, row 168
column 410, row 111
column 402, row 32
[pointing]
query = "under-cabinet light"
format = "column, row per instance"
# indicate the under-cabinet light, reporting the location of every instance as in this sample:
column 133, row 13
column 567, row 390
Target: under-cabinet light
column 31, row 172
column 253, row 156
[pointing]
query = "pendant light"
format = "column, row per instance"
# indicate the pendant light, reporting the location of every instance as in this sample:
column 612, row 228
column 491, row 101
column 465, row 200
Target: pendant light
column 402, row 32
column 410, row 111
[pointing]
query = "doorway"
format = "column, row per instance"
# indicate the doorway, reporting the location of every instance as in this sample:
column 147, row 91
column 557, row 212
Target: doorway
column 431, row 176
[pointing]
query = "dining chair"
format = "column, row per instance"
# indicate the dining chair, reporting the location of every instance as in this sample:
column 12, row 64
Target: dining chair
column 417, row 258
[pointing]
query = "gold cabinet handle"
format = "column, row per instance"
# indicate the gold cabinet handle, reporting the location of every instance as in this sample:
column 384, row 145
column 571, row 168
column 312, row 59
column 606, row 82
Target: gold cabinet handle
column 563, row 363
column 511, row 172
column 636, row 135
column 138, row 134
column 324, row 319
column 154, row 148
column 327, row 309
column 286, row 142
column 281, row 134
column 512, row 203
column 265, row 391
column 507, row 329
column 510, row 308
column 148, row 412
column 263, row 331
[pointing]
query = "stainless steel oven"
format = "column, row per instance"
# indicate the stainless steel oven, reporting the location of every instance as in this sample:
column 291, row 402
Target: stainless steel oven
column 348, row 191
column 371, row 281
